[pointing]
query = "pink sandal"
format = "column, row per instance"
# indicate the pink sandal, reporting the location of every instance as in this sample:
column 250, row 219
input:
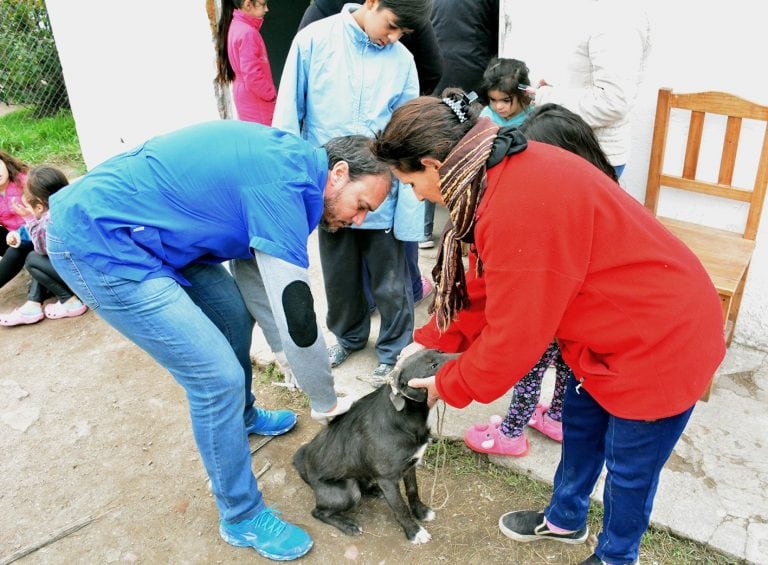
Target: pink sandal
column 20, row 318
column 542, row 422
column 488, row 438
column 58, row 310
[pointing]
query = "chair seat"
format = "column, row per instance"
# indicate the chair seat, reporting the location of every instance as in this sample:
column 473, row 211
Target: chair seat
column 725, row 255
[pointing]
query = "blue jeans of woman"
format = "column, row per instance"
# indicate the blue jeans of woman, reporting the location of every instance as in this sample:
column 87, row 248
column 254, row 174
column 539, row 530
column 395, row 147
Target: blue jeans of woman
column 202, row 335
column 633, row 451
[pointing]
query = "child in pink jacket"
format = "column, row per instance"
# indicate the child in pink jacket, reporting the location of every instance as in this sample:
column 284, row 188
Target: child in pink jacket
column 243, row 61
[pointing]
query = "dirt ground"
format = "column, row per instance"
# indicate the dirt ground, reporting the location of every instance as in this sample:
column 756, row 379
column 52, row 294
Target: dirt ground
column 92, row 429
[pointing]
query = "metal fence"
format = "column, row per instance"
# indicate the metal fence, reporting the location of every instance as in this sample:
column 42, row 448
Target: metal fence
column 30, row 70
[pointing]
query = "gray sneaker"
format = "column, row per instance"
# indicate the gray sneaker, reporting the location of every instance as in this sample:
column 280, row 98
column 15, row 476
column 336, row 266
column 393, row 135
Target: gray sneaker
column 337, row 354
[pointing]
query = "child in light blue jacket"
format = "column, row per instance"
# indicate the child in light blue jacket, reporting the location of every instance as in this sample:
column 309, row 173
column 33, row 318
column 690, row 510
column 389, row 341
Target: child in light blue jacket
column 346, row 74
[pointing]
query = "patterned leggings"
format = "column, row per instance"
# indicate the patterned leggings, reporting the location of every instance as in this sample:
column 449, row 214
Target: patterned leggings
column 528, row 389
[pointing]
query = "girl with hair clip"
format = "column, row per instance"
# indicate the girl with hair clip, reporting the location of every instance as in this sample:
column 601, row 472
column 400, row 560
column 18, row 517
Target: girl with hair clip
column 506, row 84
column 242, row 59
column 43, row 181
column 14, row 244
column 554, row 125
column 560, row 251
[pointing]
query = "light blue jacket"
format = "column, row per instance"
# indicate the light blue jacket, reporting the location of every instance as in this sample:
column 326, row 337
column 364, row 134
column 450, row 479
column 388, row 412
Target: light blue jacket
column 337, row 82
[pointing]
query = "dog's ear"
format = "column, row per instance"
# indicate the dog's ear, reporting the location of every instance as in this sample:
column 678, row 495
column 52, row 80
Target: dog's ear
column 397, row 400
column 395, row 394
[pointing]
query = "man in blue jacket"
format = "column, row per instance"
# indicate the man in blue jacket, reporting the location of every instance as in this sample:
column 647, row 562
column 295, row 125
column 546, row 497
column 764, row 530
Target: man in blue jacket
column 141, row 240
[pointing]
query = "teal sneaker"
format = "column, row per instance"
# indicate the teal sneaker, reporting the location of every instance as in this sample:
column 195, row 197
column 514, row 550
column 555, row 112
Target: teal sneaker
column 271, row 422
column 270, row 536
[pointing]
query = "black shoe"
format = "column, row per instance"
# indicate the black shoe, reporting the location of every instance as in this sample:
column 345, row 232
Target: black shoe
column 529, row 525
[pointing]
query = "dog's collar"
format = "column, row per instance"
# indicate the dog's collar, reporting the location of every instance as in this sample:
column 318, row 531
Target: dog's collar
column 396, row 396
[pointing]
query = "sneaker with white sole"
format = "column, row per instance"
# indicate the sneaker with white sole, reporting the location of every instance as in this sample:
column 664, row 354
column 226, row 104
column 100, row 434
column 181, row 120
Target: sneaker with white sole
column 270, row 536
column 343, row 404
column 271, row 422
column 530, row 525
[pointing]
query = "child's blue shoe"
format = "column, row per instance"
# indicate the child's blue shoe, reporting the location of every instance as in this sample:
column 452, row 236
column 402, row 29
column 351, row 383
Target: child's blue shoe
column 271, row 422
column 270, row 536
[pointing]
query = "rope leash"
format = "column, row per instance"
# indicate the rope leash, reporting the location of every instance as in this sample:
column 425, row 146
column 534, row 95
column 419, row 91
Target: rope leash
column 441, row 455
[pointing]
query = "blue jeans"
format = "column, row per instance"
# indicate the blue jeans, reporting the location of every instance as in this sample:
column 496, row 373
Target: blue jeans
column 634, row 451
column 202, row 335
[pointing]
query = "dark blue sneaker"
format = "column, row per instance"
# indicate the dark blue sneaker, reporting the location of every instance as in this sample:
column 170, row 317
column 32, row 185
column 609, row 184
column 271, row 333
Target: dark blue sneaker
column 271, row 422
column 270, row 536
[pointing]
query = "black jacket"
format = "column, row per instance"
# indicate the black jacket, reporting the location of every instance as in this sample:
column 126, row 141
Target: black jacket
column 422, row 43
column 468, row 35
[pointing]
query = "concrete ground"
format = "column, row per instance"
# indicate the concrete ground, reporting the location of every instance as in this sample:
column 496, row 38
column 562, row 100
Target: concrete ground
column 714, row 488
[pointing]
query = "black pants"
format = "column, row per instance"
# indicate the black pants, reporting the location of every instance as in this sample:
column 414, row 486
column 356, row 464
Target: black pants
column 341, row 256
column 12, row 260
column 45, row 279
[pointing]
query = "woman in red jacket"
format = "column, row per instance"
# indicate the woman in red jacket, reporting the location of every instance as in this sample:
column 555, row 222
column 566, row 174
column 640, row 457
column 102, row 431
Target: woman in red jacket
column 560, row 252
column 242, row 59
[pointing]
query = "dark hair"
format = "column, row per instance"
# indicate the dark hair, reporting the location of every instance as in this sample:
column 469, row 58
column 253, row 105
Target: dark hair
column 424, row 127
column 355, row 151
column 43, row 181
column 556, row 125
column 506, row 75
column 411, row 14
column 224, row 71
column 13, row 165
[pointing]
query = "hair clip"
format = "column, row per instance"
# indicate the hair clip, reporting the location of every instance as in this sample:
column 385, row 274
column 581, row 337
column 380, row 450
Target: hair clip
column 461, row 107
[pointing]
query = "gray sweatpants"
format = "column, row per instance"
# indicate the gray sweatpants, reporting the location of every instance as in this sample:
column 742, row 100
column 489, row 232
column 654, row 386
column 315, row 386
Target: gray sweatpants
column 279, row 298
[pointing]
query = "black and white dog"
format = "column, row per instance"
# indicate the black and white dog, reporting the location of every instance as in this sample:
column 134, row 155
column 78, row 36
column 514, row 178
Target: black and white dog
column 371, row 447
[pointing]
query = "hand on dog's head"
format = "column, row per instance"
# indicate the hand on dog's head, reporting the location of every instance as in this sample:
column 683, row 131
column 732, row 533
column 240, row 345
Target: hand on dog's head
column 421, row 364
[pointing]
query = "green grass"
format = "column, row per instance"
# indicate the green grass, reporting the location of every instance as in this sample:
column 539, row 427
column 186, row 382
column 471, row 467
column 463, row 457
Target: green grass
column 51, row 140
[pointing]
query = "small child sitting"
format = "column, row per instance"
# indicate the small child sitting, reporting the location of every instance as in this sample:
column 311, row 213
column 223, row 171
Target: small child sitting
column 41, row 183
column 506, row 84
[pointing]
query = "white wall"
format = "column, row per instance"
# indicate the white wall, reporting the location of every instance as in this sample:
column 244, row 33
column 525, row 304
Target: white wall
column 133, row 69
column 696, row 46
column 137, row 69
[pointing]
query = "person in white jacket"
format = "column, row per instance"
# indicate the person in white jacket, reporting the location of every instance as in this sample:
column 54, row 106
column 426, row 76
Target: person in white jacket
column 602, row 72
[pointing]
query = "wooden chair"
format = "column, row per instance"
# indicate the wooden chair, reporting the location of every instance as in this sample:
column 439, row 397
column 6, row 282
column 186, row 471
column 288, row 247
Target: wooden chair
column 725, row 254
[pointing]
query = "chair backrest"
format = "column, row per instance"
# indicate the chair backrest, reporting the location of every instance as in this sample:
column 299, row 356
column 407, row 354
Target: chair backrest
column 736, row 109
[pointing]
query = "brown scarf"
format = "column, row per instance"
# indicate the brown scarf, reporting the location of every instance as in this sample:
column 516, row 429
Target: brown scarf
column 462, row 183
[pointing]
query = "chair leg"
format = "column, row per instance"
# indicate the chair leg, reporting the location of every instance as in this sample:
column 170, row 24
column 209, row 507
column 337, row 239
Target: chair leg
column 735, row 306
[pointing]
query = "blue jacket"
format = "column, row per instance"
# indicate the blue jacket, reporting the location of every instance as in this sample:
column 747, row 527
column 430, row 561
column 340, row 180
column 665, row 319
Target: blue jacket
column 337, row 82
column 206, row 193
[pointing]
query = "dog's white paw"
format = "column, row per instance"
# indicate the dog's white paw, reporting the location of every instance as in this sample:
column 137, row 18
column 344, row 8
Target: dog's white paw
column 422, row 536
column 429, row 516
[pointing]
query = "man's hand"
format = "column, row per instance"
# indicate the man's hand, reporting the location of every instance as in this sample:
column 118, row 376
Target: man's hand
column 429, row 384
column 407, row 351
column 13, row 239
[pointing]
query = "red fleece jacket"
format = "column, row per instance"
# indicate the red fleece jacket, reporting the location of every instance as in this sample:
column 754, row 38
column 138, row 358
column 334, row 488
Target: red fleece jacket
column 567, row 253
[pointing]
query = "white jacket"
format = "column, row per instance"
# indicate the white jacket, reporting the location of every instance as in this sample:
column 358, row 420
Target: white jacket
column 601, row 75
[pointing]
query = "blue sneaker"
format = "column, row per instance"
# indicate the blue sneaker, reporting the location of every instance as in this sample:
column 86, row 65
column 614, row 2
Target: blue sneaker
column 271, row 422
column 270, row 536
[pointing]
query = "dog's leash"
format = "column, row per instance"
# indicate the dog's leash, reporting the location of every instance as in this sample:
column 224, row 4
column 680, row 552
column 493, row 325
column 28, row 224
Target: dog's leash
column 396, row 397
column 440, row 458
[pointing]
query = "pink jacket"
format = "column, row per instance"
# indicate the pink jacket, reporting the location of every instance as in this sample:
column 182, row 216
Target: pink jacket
column 9, row 219
column 253, row 89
